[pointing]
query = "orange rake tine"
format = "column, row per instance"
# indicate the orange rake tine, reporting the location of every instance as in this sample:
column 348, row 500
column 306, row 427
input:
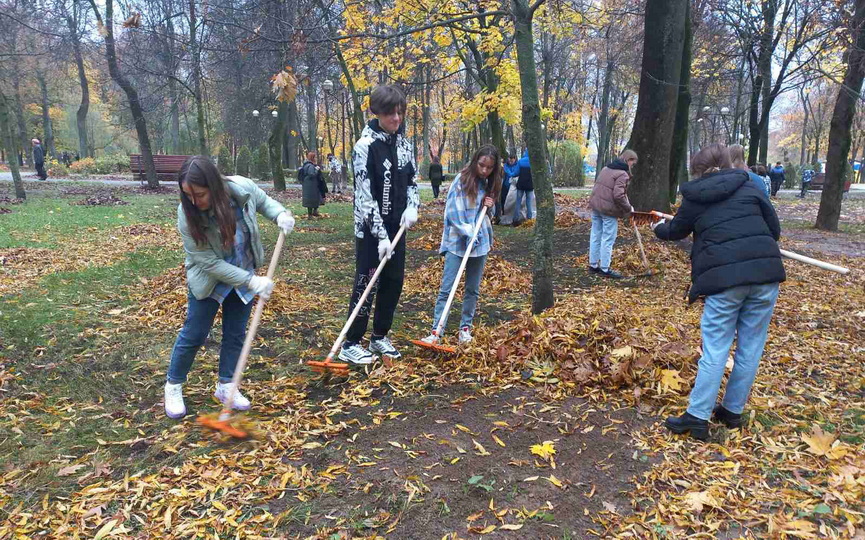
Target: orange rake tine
column 434, row 346
column 222, row 425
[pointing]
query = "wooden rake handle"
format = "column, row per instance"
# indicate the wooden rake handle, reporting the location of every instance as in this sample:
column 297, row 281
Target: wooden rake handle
column 253, row 328
column 363, row 297
column 791, row 255
column 478, row 223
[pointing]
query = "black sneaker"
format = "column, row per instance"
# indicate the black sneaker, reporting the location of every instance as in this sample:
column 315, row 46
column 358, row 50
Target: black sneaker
column 680, row 424
column 729, row 419
column 612, row 274
column 594, row 269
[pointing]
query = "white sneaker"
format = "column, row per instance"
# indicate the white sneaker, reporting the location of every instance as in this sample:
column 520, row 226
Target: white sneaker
column 384, row 347
column 431, row 339
column 465, row 335
column 174, row 406
column 356, row 354
column 240, row 402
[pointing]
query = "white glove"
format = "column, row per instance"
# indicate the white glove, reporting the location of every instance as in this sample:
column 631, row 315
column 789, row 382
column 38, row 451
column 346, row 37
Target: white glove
column 384, row 249
column 260, row 285
column 409, row 217
column 285, row 221
column 654, row 225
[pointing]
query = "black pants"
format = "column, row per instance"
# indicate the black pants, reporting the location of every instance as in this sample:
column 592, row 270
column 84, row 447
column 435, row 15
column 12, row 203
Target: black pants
column 805, row 186
column 775, row 187
column 386, row 291
column 40, row 171
column 435, row 190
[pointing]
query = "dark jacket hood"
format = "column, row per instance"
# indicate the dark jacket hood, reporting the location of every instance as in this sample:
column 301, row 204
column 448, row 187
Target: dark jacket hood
column 619, row 165
column 714, row 187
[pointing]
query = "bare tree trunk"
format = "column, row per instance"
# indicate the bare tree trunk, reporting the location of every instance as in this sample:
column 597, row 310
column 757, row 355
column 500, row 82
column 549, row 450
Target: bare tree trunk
column 130, row 91
column 47, row 127
column 196, row 79
column 543, row 296
column 842, row 122
column 7, row 140
column 274, row 145
column 754, row 119
column 652, row 136
column 604, row 130
column 84, row 107
column 804, row 141
column 426, row 92
column 679, row 152
column 311, row 120
column 24, row 146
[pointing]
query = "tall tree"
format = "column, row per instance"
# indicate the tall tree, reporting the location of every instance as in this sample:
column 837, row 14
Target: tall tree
column 842, row 121
column 107, row 29
column 679, row 152
column 543, row 296
column 74, row 18
column 652, row 135
column 9, row 141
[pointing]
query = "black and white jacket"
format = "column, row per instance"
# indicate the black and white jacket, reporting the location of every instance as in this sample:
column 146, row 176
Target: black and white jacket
column 384, row 181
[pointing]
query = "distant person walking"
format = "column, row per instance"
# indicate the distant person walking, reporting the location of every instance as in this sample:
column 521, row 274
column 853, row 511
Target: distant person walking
column 777, row 178
column 39, row 159
column 525, row 189
column 435, row 173
column 336, row 173
column 807, row 178
column 310, row 180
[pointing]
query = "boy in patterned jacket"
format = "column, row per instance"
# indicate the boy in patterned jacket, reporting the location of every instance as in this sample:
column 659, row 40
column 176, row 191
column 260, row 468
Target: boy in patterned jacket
column 385, row 198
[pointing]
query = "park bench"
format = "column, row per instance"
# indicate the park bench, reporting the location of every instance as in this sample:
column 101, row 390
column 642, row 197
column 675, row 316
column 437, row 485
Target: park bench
column 819, row 181
column 167, row 167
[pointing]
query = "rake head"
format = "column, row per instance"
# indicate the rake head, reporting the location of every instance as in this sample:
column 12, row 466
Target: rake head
column 233, row 426
column 329, row 368
column 437, row 347
column 644, row 218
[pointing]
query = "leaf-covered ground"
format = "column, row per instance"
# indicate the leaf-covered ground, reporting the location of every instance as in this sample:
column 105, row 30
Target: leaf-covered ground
column 545, row 427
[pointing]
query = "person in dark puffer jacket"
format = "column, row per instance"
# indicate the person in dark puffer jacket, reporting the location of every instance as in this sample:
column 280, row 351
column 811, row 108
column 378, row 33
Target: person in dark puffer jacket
column 736, row 265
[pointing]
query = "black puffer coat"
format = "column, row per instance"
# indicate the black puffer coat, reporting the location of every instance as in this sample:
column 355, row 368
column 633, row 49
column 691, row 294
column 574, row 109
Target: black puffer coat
column 735, row 231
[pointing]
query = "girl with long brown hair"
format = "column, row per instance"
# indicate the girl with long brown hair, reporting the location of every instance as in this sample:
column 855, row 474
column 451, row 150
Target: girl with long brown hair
column 216, row 220
column 475, row 189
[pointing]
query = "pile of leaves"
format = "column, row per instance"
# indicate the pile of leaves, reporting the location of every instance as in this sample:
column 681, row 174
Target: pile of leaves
column 5, row 210
column 21, row 267
column 339, row 198
column 501, row 277
column 10, row 200
column 101, row 199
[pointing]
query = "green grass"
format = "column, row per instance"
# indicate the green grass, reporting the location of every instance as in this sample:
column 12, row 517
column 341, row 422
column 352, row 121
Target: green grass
column 41, row 222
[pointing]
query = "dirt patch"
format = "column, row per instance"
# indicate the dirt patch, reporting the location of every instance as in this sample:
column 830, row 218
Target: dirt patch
column 824, row 242
column 455, row 461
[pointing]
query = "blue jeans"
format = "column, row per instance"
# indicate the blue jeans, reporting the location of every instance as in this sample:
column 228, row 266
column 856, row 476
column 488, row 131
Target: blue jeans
column 743, row 312
column 530, row 198
column 199, row 320
column 601, row 240
column 474, row 273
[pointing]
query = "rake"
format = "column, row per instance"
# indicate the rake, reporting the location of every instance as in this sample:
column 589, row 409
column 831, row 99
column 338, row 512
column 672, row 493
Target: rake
column 224, row 421
column 784, row 253
column 435, row 346
column 328, row 366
